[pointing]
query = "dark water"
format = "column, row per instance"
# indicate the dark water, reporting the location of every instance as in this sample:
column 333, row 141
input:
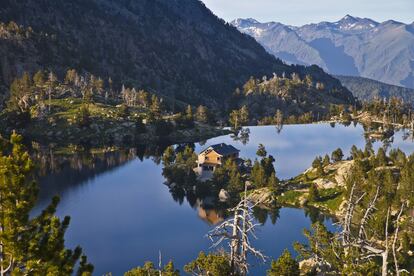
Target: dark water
column 123, row 215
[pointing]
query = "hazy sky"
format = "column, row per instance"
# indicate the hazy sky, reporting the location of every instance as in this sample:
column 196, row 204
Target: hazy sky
column 299, row 12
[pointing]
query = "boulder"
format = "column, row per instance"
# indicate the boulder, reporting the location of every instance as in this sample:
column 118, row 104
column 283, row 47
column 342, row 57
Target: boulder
column 262, row 196
column 324, row 183
column 224, row 195
column 342, row 172
column 303, row 201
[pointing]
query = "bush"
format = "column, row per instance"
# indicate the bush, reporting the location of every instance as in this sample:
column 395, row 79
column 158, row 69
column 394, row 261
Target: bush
column 284, row 266
column 83, row 116
column 211, row 264
column 149, row 270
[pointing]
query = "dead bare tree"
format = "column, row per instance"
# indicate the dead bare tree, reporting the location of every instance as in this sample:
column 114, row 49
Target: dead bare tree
column 368, row 249
column 238, row 230
column 394, row 250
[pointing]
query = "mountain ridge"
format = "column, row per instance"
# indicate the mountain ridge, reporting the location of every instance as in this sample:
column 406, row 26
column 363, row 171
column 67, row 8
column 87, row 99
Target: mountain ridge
column 366, row 89
column 350, row 46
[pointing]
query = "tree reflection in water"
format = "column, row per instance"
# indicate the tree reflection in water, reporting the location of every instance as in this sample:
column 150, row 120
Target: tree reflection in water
column 59, row 169
column 242, row 135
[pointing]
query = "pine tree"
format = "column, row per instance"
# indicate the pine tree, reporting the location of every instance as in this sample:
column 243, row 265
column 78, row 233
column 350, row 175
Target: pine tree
column 155, row 108
column 244, row 115
column 258, row 175
column 309, row 81
column 212, row 264
column 124, row 111
column 149, row 270
column 261, row 151
column 169, row 156
column 313, row 193
column 355, row 153
column 71, row 76
column 202, row 114
column 239, row 117
column 318, row 165
column 189, row 113
column 83, row 116
column 284, row 266
column 33, row 246
column 267, row 164
column 20, row 94
column 278, row 118
column 273, row 183
column 51, row 86
column 381, row 158
column 337, row 155
column 39, row 78
column 326, row 161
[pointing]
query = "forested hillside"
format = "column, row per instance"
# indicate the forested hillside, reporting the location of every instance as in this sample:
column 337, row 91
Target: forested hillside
column 367, row 89
column 288, row 99
column 178, row 49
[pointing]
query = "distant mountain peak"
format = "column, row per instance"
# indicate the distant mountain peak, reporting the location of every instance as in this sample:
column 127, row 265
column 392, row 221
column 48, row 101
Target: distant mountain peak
column 351, row 23
column 344, row 47
column 252, row 20
column 393, row 22
column 348, row 18
column 243, row 22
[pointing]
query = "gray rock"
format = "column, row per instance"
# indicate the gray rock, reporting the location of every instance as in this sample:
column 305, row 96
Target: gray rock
column 224, row 195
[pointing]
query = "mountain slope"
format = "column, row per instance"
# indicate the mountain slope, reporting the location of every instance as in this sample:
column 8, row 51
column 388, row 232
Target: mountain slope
column 177, row 48
column 367, row 89
column 351, row 46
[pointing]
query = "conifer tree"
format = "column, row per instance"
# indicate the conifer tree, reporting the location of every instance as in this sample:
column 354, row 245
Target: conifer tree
column 83, row 116
column 284, row 266
column 212, row 264
column 155, row 108
column 258, row 175
column 239, row 117
column 39, row 78
column 381, row 158
column 20, row 94
column 337, row 155
column 326, row 161
column 202, row 114
column 31, row 246
column 169, row 156
column 318, row 165
column 149, row 270
column 313, row 193
column 261, row 151
column 189, row 113
column 273, row 183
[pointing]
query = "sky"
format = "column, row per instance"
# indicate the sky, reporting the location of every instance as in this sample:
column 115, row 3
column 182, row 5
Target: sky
column 300, row 12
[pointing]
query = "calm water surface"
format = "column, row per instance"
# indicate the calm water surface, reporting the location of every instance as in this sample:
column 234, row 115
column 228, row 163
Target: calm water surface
column 123, row 215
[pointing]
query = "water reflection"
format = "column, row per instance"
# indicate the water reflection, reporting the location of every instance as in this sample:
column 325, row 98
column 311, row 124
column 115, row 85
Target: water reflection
column 57, row 173
column 211, row 216
column 241, row 135
column 147, row 216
